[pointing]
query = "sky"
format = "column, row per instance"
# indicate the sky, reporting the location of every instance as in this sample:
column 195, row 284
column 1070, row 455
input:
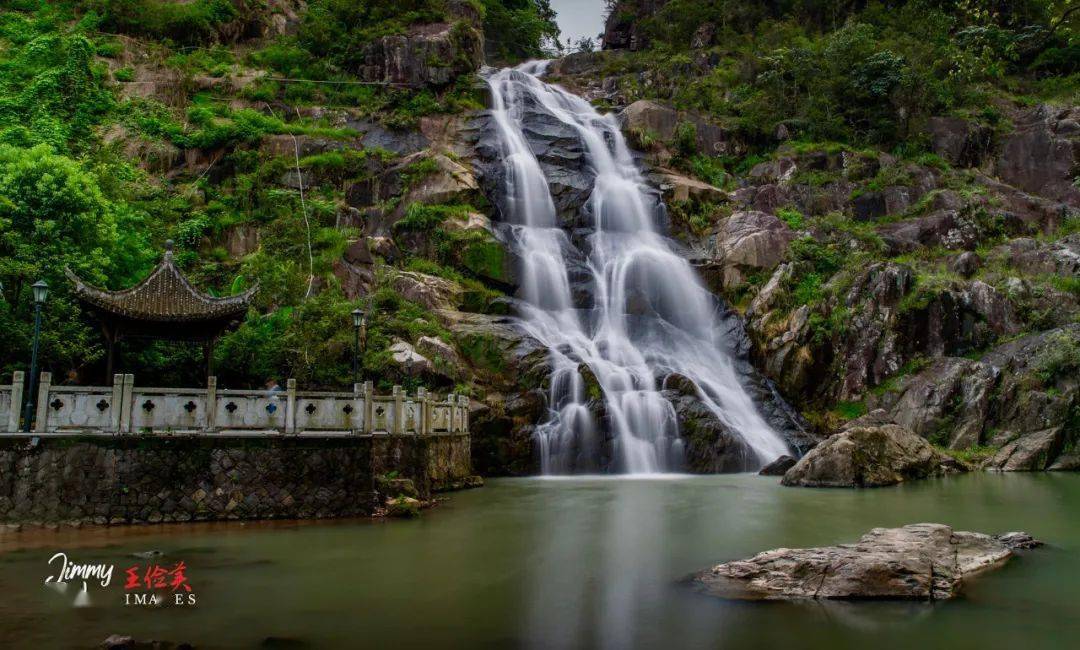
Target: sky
column 578, row 18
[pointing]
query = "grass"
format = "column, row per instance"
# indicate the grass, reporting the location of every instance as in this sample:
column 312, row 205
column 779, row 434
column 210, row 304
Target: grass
column 972, row 455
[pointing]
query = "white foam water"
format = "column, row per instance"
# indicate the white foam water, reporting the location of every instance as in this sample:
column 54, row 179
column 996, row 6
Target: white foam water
column 649, row 316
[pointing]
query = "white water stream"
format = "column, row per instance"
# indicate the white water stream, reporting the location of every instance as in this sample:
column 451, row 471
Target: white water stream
column 649, row 315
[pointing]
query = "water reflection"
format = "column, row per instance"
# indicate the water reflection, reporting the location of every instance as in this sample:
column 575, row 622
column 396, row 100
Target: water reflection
column 573, row 563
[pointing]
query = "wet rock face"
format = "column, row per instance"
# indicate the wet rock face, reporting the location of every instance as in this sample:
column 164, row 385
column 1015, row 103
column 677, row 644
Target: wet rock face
column 778, row 467
column 959, row 141
column 1033, row 257
column 915, row 562
column 889, row 320
column 1005, row 399
column 622, row 28
column 1040, row 156
column 427, row 55
column 662, row 122
column 870, row 456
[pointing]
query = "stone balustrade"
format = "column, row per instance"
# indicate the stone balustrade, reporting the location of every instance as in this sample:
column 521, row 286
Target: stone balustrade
column 125, row 408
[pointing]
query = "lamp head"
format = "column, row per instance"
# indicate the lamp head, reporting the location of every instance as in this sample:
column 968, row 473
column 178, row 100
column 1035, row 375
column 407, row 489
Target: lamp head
column 41, row 291
column 358, row 318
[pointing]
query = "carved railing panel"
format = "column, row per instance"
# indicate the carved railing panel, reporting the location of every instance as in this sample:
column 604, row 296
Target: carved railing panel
column 124, row 408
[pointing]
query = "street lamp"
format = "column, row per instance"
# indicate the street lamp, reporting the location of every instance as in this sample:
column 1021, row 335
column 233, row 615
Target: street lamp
column 358, row 324
column 41, row 292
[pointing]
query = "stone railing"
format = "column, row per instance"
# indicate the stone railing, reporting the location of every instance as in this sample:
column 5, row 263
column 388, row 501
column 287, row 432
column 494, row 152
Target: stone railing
column 125, row 408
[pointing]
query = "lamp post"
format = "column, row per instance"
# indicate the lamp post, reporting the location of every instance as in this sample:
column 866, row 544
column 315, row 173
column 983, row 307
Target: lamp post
column 41, row 292
column 358, row 324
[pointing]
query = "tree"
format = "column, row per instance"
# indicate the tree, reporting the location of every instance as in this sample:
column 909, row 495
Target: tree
column 52, row 215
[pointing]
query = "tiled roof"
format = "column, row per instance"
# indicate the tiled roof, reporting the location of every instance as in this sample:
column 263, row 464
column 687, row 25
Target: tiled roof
column 164, row 296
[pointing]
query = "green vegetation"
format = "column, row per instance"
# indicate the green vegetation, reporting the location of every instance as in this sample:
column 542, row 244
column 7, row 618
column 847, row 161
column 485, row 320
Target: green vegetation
column 974, row 456
column 853, row 72
column 1060, row 358
column 231, row 147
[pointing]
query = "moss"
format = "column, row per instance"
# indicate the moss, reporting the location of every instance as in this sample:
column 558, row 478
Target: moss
column 483, row 351
column 1060, row 357
column 972, row 455
column 481, row 254
column 849, row 410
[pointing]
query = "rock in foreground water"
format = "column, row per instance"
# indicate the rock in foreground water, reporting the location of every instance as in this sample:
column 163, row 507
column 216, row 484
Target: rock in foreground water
column 916, row 562
column 778, row 467
column 870, row 456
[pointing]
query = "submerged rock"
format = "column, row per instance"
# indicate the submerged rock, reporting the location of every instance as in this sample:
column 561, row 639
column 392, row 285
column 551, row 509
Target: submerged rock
column 915, row 562
column 870, row 456
column 778, row 467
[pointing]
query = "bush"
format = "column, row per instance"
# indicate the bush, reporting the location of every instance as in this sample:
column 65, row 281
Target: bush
column 182, row 22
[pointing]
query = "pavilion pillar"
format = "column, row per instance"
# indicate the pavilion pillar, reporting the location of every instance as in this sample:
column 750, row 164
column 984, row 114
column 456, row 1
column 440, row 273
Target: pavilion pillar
column 208, row 357
column 110, row 353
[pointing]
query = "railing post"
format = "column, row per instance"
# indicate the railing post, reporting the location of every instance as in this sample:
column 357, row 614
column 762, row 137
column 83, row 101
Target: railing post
column 421, row 411
column 451, row 414
column 125, row 403
column 399, row 410
column 117, row 402
column 17, row 380
column 290, row 406
column 357, row 404
column 464, row 399
column 41, row 424
column 211, row 403
column 369, row 407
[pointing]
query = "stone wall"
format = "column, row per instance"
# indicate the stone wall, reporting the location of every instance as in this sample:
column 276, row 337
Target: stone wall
column 142, row 479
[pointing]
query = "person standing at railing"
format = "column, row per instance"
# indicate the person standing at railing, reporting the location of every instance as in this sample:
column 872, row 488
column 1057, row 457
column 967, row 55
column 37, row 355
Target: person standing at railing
column 272, row 388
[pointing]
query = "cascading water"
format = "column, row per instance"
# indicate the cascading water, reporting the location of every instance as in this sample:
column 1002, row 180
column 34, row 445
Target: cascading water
column 647, row 317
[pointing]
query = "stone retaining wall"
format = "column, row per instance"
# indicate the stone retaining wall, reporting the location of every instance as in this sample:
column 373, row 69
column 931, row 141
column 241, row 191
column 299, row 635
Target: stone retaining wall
column 142, row 479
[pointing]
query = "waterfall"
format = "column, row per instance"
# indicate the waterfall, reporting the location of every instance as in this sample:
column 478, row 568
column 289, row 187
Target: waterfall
column 646, row 315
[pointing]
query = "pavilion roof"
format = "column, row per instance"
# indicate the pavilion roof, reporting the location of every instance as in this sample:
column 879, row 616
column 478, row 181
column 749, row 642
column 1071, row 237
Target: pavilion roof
column 164, row 296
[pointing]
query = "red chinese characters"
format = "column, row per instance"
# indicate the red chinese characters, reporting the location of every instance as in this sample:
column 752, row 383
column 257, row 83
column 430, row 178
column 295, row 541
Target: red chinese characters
column 156, row 576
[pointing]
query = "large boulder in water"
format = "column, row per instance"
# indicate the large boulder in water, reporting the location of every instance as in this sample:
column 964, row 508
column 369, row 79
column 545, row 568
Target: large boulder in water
column 870, row 456
column 916, row 562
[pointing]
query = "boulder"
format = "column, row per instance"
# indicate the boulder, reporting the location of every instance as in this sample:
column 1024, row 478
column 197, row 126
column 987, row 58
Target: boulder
column 409, row 360
column 355, row 280
column 916, row 562
column 677, row 187
column 945, row 228
column 428, row 290
column 662, row 122
column 1034, row 257
column 778, row 467
column 747, row 242
column 870, row 456
column 1031, row 452
column 450, row 182
column 965, row 264
column 403, row 506
column 443, row 356
column 711, row 446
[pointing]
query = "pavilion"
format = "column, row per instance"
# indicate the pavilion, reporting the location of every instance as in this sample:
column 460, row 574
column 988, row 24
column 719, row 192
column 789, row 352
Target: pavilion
column 165, row 306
